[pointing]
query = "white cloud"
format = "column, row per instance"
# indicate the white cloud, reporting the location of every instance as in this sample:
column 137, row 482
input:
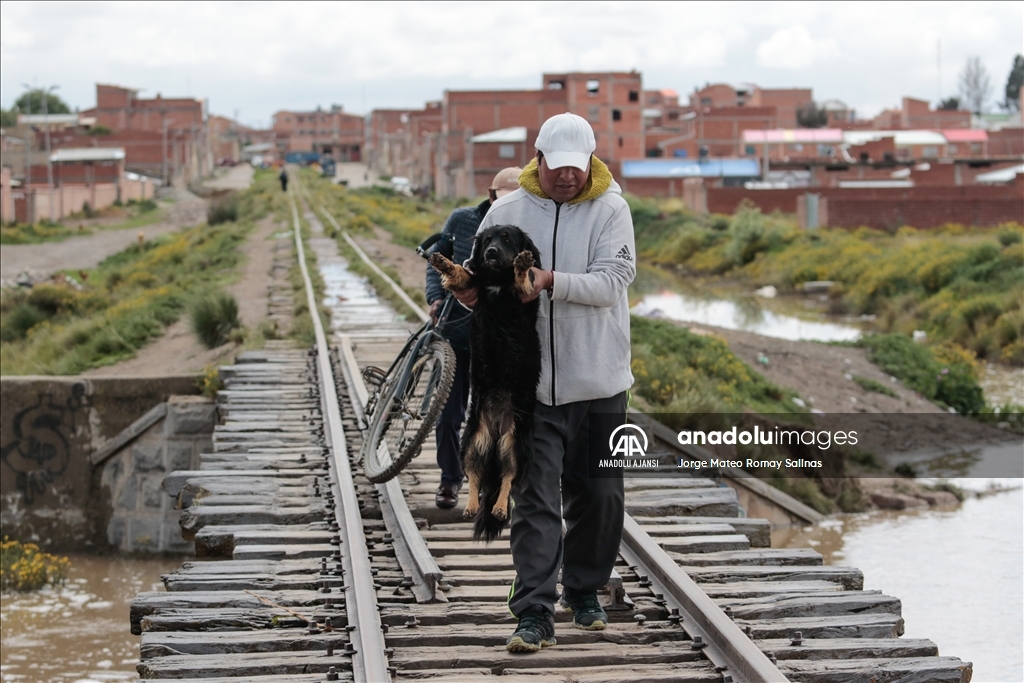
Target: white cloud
column 793, row 47
column 258, row 57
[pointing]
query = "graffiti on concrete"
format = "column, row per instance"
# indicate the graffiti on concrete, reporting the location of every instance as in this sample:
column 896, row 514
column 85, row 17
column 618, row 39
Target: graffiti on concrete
column 41, row 450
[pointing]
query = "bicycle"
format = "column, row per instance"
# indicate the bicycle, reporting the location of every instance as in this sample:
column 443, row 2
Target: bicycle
column 408, row 397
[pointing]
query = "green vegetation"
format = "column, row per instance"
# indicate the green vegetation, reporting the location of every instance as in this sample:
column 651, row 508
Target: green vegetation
column 960, row 285
column 946, row 375
column 868, row 384
column 134, row 214
column 126, row 301
column 678, row 372
column 214, row 317
column 223, row 209
column 31, row 102
column 23, row 567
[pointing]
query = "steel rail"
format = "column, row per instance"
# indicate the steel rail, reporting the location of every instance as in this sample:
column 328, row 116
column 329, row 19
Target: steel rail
column 420, row 313
column 721, row 640
column 410, row 548
column 728, row 648
column 369, row 663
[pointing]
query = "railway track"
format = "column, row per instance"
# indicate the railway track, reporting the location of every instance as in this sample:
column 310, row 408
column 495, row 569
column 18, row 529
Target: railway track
column 307, row 572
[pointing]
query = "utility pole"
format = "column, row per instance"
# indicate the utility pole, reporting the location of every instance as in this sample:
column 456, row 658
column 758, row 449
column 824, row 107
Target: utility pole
column 49, row 161
column 30, row 211
column 166, row 122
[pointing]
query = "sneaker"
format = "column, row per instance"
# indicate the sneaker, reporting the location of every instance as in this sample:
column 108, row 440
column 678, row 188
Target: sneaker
column 447, row 496
column 536, row 629
column 587, row 613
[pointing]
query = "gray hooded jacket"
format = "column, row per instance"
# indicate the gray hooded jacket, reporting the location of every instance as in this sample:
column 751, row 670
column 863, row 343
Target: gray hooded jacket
column 584, row 323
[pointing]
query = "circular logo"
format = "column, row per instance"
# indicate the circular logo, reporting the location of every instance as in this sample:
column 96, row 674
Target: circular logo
column 611, row 439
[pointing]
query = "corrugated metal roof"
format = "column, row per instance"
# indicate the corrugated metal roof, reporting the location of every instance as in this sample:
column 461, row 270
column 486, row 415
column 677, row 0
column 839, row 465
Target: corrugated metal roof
column 1003, row 175
column 35, row 119
column 513, row 134
column 965, row 135
column 690, row 168
column 823, row 135
column 902, row 138
column 88, row 154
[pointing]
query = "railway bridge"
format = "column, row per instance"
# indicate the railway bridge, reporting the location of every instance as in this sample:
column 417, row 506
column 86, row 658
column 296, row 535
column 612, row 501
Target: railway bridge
column 305, row 571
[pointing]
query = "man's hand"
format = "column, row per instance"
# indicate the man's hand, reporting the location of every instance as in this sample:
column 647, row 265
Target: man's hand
column 466, row 297
column 435, row 310
column 542, row 279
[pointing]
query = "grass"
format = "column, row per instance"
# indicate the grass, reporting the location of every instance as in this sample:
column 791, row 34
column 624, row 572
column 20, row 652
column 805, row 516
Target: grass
column 868, row 384
column 126, row 301
column 946, row 375
column 959, row 284
column 678, row 372
column 213, row 318
column 135, row 214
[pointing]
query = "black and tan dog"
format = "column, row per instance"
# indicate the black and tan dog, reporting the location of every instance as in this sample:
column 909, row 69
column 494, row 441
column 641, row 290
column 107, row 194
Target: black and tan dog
column 504, row 370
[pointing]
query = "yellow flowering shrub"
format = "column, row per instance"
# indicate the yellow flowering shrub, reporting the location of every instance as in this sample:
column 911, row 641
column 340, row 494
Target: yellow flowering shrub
column 24, row 567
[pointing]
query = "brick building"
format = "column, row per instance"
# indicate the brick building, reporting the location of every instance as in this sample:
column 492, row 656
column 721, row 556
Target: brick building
column 457, row 145
column 330, row 131
column 404, row 142
column 163, row 137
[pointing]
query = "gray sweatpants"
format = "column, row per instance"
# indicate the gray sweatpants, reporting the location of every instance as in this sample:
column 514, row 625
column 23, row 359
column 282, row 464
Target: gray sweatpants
column 558, row 483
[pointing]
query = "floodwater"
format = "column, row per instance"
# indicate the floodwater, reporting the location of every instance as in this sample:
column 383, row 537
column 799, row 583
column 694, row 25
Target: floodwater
column 959, row 573
column 745, row 314
column 79, row 632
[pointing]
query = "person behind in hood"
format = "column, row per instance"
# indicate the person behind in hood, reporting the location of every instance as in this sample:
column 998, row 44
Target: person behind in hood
column 572, row 209
column 459, row 229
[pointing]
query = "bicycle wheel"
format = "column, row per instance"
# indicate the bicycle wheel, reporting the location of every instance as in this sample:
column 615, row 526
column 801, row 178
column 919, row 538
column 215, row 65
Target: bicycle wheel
column 407, row 412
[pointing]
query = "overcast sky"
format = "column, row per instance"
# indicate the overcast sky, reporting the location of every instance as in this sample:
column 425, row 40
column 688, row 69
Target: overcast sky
column 257, row 58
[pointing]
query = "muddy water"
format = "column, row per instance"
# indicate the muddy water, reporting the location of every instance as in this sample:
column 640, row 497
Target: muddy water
column 79, row 632
column 959, row 573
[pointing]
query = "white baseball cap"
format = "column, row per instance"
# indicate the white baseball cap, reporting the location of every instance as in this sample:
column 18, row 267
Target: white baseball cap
column 566, row 140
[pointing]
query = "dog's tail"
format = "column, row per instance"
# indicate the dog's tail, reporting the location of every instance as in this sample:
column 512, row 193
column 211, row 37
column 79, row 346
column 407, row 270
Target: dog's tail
column 485, row 525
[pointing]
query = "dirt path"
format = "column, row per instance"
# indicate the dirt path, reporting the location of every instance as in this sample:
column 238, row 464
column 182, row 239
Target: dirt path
column 89, row 250
column 236, row 178
column 179, row 351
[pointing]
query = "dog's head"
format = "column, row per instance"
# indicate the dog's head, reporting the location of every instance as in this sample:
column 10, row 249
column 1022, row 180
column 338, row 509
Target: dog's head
column 496, row 248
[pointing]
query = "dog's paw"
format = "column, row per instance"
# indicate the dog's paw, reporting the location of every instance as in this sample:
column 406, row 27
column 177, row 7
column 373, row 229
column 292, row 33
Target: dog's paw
column 470, row 512
column 523, row 262
column 500, row 512
column 441, row 264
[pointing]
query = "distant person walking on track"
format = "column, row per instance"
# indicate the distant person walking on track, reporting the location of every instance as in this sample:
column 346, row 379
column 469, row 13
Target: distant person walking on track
column 457, row 236
column 284, row 180
column 572, row 209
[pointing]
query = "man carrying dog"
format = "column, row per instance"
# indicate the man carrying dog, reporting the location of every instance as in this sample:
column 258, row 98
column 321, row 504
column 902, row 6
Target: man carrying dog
column 458, row 233
column 572, row 209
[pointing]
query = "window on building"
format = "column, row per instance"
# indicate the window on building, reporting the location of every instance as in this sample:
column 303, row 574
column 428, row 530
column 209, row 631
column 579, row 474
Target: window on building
column 930, row 151
column 593, row 86
column 594, row 114
column 616, row 114
column 706, row 101
column 975, row 148
column 556, row 85
column 634, row 96
column 673, row 116
column 506, row 151
column 654, row 152
column 750, row 150
column 620, row 142
column 952, row 149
